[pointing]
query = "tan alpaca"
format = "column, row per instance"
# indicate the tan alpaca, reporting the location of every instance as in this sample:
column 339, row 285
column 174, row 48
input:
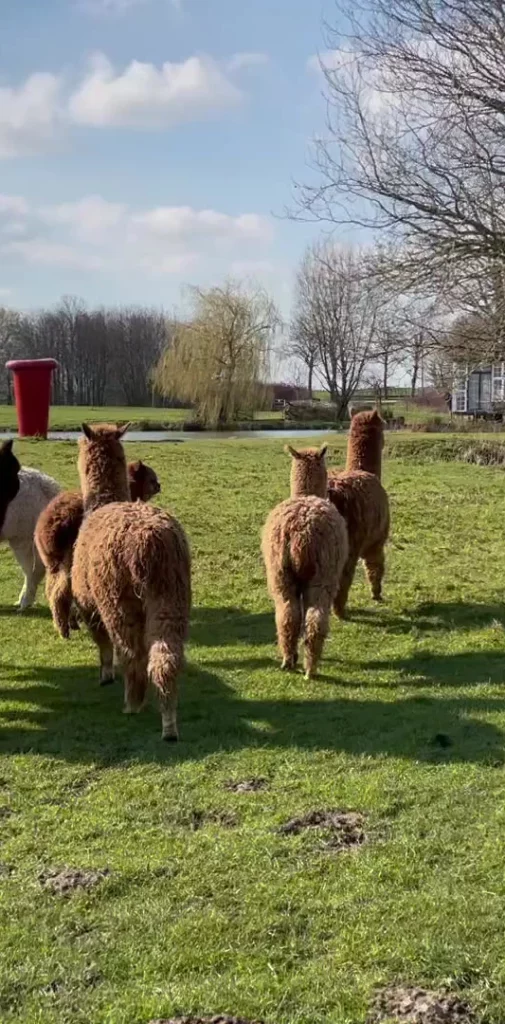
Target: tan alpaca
column 360, row 498
column 130, row 578
column 305, row 548
column 56, row 533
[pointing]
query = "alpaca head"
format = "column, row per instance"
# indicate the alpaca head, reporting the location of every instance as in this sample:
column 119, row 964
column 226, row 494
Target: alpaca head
column 9, row 473
column 144, row 483
column 102, row 465
column 308, row 471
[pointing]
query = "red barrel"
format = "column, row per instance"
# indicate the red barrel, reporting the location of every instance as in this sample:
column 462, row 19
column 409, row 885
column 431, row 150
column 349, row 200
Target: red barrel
column 32, row 390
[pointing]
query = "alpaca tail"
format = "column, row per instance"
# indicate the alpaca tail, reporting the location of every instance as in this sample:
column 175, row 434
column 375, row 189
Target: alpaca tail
column 59, row 596
column 165, row 635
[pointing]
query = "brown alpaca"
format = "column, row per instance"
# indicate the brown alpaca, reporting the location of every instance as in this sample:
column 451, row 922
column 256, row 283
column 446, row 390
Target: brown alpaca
column 305, row 548
column 130, row 578
column 365, row 443
column 360, row 498
column 56, row 533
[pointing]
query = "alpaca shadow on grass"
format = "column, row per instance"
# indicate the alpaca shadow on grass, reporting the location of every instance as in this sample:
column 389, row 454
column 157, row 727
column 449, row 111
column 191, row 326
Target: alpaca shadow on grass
column 37, row 611
column 222, row 627
column 63, row 713
column 431, row 617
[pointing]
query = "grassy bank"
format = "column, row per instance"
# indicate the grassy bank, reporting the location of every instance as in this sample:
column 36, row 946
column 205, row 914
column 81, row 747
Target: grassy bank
column 207, row 907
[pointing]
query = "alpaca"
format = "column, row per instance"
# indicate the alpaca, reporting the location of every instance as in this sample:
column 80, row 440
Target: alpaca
column 131, row 578
column 56, row 533
column 365, row 442
column 24, row 493
column 305, row 547
column 360, row 498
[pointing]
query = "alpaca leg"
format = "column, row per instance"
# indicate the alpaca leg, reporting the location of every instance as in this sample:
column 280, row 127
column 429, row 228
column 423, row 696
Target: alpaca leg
column 165, row 661
column 135, row 685
column 317, row 603
column 33, row 569
column 375, row 565
column 345, row 584
column 59, row 596
column 102, row 640
column 288, row 620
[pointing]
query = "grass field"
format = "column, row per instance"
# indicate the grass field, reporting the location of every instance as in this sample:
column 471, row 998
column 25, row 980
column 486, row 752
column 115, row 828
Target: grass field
column 70, row 417
column 207, row 906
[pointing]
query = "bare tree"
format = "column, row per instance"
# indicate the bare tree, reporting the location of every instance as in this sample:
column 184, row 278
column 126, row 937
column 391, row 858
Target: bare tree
column 303, row 344
column 415, row 140
column 219, row 355
column 336, row 312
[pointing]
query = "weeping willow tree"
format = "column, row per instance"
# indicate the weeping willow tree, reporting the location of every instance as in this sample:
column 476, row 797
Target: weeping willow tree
column 218, row 358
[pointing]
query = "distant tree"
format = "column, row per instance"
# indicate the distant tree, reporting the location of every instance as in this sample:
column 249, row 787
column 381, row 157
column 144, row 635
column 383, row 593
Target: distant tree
column 218, row 358
column 336, row 314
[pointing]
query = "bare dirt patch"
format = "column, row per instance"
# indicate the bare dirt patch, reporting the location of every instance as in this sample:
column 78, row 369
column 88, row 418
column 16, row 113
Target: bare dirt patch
column 252, row 785
column 411, row 1005
column 204, row 1020
column 343, row 830
column 197, row 819
column 69, row 880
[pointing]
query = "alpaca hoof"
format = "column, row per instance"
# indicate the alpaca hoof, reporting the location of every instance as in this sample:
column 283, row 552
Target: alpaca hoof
column 288, row 665
column 106, row 680
column 170, row 737
column 132, row 709
column 378, row 598
column 341, row 614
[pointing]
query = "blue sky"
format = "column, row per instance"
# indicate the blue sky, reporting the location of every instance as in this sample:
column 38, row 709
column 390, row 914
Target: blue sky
column 145, row 144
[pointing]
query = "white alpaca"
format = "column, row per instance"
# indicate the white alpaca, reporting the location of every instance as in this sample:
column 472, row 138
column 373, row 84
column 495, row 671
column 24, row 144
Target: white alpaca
column 36, row 490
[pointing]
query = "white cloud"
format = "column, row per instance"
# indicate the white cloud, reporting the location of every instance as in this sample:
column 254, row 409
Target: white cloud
column 246, row 60
column 95, row 234
column 144, row 96
column 91, row 218
column 183, row 222
column 54, row 254
column 13, row 206
column 29, row 114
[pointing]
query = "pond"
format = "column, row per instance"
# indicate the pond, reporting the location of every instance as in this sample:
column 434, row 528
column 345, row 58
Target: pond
column 176, row 436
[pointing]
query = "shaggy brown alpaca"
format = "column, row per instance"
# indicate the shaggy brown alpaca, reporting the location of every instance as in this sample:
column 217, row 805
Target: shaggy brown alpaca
column 365, row 443
column 362, row 501
column 56, row 533
column 360, row 498
column 305, row 548
column 130, row 578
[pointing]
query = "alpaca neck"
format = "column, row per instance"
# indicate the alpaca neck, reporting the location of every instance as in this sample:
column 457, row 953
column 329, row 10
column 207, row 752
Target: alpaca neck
column 309, row 487
column 101, row 489
column 365, row 455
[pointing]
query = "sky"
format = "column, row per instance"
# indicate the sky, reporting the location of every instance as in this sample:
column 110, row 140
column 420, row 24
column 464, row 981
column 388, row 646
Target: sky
column 150, row 144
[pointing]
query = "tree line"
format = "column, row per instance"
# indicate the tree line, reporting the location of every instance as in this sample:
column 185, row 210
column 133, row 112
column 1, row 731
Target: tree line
column 105, row 356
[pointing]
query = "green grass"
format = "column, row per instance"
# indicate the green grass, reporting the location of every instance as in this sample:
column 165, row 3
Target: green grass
column 406, row 723
column 70, row 417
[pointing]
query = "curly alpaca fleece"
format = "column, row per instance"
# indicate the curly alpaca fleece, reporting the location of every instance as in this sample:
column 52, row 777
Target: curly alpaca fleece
column 365, row 442
column 131, row 579
column 35, row 490
column 304, row 547
column 56, row 533
column 360, row 498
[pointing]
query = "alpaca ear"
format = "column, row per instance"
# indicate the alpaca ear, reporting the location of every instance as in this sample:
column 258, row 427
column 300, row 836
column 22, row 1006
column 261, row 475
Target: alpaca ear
column 322, row 451
column 352, row 411
column 375, row 416
column 121, row 431
column 87, row 431
column 134, row 468
column 7, row 445
column 292, row 451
